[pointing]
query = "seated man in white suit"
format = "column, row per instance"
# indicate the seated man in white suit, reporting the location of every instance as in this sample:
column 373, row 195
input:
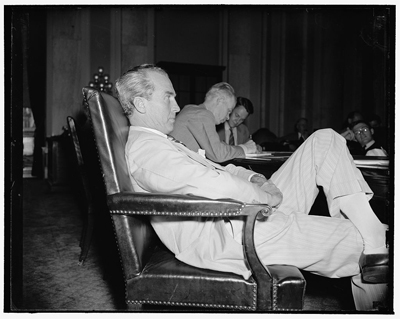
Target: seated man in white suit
column 332, row 247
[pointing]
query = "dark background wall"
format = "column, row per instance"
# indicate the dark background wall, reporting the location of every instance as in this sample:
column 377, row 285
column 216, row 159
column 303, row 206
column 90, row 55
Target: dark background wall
column 291, row 61
column 314, row 62
column 186, row 35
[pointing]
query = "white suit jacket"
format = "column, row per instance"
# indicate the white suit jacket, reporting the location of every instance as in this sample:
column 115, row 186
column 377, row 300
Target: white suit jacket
column 158, row 165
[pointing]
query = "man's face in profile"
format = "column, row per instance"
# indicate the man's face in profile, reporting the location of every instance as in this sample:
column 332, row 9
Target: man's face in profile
column 224, row 107
column 161, row 109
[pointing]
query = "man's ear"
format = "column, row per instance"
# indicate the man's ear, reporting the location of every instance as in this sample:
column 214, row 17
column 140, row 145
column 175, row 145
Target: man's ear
column 219, row 100
column 372, row 130
column 139, row 104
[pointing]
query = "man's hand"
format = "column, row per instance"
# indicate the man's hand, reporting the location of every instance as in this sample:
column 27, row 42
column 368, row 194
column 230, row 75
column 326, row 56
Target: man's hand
column 259, row 180
column 276, row 195
column 348, row 135
column 249, row 147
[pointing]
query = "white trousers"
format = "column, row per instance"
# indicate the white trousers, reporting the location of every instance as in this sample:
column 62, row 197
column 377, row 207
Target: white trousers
column 323, row 245
column 326, row 246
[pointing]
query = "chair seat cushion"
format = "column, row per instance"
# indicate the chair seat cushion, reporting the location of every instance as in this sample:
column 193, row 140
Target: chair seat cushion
column 168, row 281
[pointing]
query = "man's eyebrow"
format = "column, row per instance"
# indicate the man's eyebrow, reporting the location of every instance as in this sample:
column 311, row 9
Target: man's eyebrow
column 170, row 93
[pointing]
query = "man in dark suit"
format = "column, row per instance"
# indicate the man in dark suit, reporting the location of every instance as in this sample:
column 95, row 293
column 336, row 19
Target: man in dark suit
column 295, row 139
column 234, row 131
column 364, row 135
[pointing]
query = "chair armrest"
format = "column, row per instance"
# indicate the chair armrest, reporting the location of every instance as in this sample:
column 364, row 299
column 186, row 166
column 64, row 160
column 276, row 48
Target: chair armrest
column 129, row 203
column 260, row 272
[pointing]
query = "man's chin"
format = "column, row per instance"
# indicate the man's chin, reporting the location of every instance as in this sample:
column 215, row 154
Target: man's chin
column 170, row 128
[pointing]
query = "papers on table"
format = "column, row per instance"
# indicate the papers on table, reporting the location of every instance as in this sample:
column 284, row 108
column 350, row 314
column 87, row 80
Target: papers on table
column 269, row 155
column 380, row 162
column 258, row 155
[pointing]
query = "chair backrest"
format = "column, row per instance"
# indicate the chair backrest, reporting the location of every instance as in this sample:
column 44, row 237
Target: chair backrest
column 79, row 158
column 136, row 238
column 110, row 128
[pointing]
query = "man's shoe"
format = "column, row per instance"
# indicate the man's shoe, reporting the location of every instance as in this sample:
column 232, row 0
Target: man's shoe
column 374, row 267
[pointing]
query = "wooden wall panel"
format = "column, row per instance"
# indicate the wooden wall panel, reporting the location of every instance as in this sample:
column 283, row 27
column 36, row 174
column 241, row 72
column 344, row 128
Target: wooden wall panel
column 317, row 66
column 137, row 31
column 313, row 62
column 100, row 39
column 66, row 63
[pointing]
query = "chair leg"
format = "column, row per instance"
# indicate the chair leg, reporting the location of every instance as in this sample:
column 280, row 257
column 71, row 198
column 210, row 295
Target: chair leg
column 86, row 238
column 83, row 234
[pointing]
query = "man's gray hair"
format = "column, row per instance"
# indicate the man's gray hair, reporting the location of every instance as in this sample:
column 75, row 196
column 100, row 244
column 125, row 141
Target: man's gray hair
column 221, row 87
column 135, row 83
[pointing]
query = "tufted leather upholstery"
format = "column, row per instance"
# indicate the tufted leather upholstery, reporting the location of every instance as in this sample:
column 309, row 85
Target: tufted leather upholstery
column 152, row 274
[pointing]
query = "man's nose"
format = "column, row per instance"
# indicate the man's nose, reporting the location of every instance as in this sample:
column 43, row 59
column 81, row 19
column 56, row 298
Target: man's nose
column 176, row 107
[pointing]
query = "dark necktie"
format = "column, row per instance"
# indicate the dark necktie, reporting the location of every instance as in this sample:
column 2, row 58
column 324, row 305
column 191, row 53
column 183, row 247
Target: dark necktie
column 231, row 139
column 193, row 155
column 173, row 139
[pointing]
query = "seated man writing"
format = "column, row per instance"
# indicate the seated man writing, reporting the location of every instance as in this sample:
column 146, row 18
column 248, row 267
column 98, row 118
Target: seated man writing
column 331, row 247
column 195, row 125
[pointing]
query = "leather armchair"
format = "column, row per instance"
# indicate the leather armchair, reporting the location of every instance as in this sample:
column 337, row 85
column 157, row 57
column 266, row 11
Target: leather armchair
column 152, row 274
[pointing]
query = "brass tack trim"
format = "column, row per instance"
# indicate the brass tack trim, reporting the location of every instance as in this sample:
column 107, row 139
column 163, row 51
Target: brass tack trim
column 189, row 213
column 190, row 304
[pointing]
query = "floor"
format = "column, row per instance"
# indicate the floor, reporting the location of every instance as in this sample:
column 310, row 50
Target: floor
column 55, row 281
column 53, row 277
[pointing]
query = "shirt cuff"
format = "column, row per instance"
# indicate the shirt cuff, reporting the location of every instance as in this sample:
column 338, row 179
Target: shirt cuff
column 244, row 148
column 255, row 174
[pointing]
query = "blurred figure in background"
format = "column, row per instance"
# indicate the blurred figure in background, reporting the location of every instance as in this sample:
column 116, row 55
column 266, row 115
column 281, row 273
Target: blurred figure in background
column 353, row 116
column 268, row 140
column 374, row 121
column 380, row 131
column 234, row 131
column 295, row 139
